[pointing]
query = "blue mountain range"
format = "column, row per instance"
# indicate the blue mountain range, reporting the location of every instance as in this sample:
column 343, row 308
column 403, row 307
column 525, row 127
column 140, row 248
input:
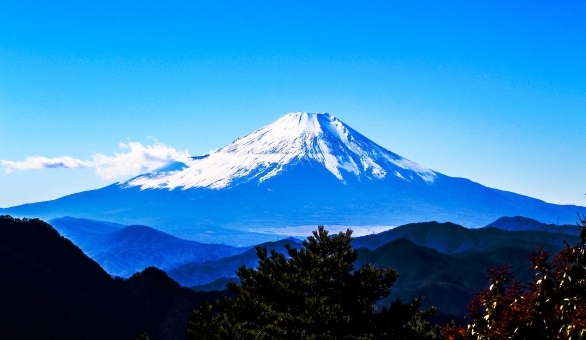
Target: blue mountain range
column 302, row 170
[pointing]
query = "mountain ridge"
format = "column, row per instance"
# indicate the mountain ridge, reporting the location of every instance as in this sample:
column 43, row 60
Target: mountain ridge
column 451, row 238
column 297, row 189
column 49, row 289
column 525, row 223
column 123, row 251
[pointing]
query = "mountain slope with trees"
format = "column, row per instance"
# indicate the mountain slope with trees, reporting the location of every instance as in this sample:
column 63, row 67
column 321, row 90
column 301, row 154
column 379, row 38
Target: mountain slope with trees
column 552, row 305
column 50, row 290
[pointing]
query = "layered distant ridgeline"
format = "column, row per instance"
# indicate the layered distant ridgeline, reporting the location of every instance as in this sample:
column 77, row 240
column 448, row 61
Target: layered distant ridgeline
column 124, row 250
column 446, row 262
column 443, row 261
column 304, row 169
column 47, row 281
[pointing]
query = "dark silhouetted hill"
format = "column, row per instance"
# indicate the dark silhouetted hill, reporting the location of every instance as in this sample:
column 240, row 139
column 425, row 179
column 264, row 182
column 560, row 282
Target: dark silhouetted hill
column 446, row 280
column 50, row 290
column 450, row 238
column 525, row 223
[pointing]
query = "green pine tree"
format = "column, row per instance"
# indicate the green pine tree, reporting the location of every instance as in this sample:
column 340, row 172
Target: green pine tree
column 314, row 293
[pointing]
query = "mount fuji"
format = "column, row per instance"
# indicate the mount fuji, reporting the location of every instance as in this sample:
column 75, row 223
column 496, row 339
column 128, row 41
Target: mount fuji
column 302, row 170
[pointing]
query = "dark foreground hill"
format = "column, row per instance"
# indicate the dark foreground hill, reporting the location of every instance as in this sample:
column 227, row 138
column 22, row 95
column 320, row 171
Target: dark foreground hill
column 50, row 290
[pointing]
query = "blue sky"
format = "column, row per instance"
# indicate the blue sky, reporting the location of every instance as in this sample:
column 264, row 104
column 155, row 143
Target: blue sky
column 493, row 91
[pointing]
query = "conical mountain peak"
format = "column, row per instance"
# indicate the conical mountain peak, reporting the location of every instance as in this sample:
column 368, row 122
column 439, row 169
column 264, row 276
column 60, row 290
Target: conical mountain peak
column 301, row 170
column 319, row 138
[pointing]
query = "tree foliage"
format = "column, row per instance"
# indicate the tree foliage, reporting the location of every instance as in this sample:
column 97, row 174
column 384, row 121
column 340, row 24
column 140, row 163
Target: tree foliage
column 313, row 293
column 553, row 306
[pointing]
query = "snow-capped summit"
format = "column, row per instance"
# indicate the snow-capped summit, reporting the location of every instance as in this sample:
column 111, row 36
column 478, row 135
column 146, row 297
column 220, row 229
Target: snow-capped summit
column 315, row 137
column 303, row 170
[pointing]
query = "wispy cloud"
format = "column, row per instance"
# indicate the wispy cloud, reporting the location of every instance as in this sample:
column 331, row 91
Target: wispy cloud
column 138, row 159
column 39, row 162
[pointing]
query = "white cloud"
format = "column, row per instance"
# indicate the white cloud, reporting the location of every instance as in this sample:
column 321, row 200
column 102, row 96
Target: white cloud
column 137, row 160
column 38, row 162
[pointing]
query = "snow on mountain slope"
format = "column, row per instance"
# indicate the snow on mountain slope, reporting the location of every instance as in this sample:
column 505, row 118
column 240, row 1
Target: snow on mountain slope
column 303, row 170
column 318, row 138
